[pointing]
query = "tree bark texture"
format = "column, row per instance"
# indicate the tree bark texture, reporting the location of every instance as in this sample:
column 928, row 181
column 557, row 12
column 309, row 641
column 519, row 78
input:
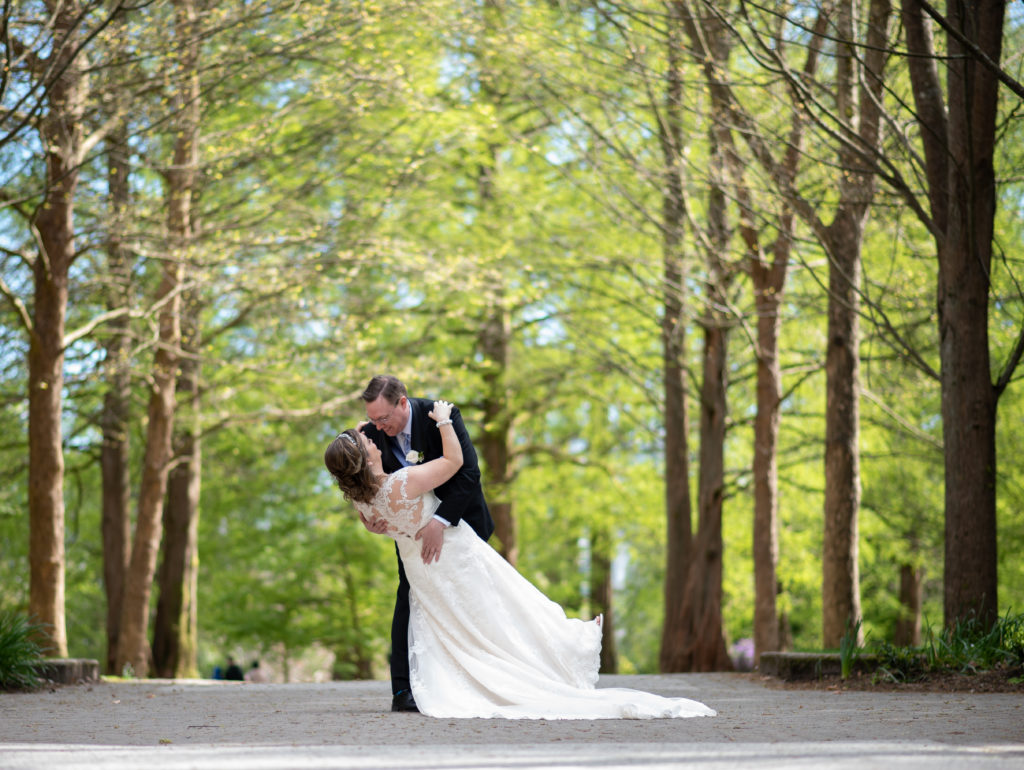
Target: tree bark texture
column 675, row 630
column 114, row 455
column 61, row 133
column 840, row 572
column 768, row 284
column 969, row 398
column 959, row 142
column 678, row 507
column 703, row 603
column 711, row 45
column 496, row 328
column 175, row 629
column 496, row 435
column 602, row 596
column 134, row 649
column 908, row 625
column 859, row 88
column 769, row 281
column 706, row 650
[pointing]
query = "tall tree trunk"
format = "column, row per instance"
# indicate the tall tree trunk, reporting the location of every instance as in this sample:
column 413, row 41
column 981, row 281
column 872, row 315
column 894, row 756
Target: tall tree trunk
column 602, row 595
column 46, row 457
column 496, row 434
column 114, row 455
column 62, row 135
column 496, row 328
column 969, row 398
column 134, row 648
column 768, row 281
column 840, row 575
column 711, row 48
column 859, row 81
column 959, row 145
column 175, row 629
column 908, row 625
column 675, row 631
column 706, row 650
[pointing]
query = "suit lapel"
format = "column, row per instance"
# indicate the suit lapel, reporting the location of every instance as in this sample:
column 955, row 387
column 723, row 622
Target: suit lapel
column 418, row 418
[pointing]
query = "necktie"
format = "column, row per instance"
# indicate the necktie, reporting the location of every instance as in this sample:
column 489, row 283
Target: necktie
column 405, row 442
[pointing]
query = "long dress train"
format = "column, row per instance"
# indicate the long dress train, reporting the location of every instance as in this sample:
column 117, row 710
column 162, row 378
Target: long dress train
column 485, row 642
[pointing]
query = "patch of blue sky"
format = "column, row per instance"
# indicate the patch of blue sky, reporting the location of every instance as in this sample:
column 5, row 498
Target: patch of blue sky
column 453, row 67
column 567, row 143
column 546, row 328
column 406, row 297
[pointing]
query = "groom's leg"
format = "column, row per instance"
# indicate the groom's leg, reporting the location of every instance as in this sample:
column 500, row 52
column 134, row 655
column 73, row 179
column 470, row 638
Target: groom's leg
column 400, row 635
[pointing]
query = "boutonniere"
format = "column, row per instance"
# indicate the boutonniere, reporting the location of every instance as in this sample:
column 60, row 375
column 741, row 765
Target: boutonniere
column 414, row 457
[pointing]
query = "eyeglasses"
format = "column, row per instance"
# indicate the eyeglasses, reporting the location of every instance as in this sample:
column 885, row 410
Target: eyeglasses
column 380, row 422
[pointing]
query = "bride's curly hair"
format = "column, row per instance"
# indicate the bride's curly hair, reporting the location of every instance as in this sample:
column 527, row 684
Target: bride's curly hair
column 346, row 459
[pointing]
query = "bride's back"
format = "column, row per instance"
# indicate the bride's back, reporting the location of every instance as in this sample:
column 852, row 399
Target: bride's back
column 405, row 516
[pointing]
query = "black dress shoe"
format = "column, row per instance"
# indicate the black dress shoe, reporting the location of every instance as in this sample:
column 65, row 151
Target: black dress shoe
column 403, row 701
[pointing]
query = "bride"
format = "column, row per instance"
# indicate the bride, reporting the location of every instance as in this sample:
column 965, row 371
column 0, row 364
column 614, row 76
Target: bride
column 483, row 641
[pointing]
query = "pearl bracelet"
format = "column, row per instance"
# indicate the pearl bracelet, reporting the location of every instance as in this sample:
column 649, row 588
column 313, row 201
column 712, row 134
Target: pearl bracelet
column 444, row 422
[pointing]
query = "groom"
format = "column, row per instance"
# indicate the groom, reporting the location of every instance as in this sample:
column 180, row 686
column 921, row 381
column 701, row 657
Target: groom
column 405, row 435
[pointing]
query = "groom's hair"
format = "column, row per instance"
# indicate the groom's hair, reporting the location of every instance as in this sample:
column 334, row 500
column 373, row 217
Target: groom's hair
column 384, row 385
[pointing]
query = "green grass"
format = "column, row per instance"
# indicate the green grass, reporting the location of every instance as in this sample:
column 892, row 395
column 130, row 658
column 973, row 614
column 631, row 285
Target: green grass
column 849, row 649
column 19, row 653
column 968, row 647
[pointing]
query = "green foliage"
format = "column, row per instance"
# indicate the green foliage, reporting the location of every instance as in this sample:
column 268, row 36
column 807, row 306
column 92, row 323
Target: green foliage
column 19, row 652
column 384, row 181
column 849, row 648
column 969, row 646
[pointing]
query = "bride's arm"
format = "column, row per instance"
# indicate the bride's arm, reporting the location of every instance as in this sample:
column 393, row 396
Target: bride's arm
column 430, row 475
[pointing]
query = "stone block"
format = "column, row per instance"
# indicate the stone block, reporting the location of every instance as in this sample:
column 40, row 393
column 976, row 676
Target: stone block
column 68, row 670
column 803, row 666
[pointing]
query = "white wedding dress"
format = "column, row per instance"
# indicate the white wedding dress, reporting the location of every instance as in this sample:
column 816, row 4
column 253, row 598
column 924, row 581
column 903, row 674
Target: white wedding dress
column 484, row 642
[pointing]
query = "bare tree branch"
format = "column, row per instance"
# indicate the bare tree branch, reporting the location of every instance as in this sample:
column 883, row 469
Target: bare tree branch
column 976, row 52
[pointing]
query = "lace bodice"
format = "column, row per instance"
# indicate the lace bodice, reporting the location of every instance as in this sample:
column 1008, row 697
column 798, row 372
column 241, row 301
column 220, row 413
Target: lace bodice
column 405, row 516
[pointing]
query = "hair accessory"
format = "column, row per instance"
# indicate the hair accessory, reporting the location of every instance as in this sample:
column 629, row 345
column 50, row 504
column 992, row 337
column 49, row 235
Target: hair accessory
column 348, row 436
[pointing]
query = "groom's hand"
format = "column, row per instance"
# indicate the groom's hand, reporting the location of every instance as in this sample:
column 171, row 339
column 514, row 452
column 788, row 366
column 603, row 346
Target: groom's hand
column 431, row 535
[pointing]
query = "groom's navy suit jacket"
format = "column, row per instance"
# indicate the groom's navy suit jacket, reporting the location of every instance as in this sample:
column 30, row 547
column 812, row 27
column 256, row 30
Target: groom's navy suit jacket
column 461, row 496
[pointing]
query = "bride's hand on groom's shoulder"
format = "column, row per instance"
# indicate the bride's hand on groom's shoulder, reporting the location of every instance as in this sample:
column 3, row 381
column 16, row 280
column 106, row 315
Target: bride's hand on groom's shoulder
column 442, row 411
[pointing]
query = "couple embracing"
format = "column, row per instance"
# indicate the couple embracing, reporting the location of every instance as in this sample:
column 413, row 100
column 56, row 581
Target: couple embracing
column 471, row 637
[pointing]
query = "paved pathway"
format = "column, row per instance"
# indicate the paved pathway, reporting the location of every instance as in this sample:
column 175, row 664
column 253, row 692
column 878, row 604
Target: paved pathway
column 174, row 725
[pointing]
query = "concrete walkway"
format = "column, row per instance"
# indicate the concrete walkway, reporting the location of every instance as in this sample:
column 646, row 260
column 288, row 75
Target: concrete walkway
column 174, row 725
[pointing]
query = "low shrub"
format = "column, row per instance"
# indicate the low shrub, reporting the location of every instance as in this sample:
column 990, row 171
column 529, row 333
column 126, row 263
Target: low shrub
column 19, row 652
column 967, row 647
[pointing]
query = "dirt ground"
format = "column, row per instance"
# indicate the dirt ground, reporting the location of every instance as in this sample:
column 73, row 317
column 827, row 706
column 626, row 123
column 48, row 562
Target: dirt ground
column 1006, row 680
